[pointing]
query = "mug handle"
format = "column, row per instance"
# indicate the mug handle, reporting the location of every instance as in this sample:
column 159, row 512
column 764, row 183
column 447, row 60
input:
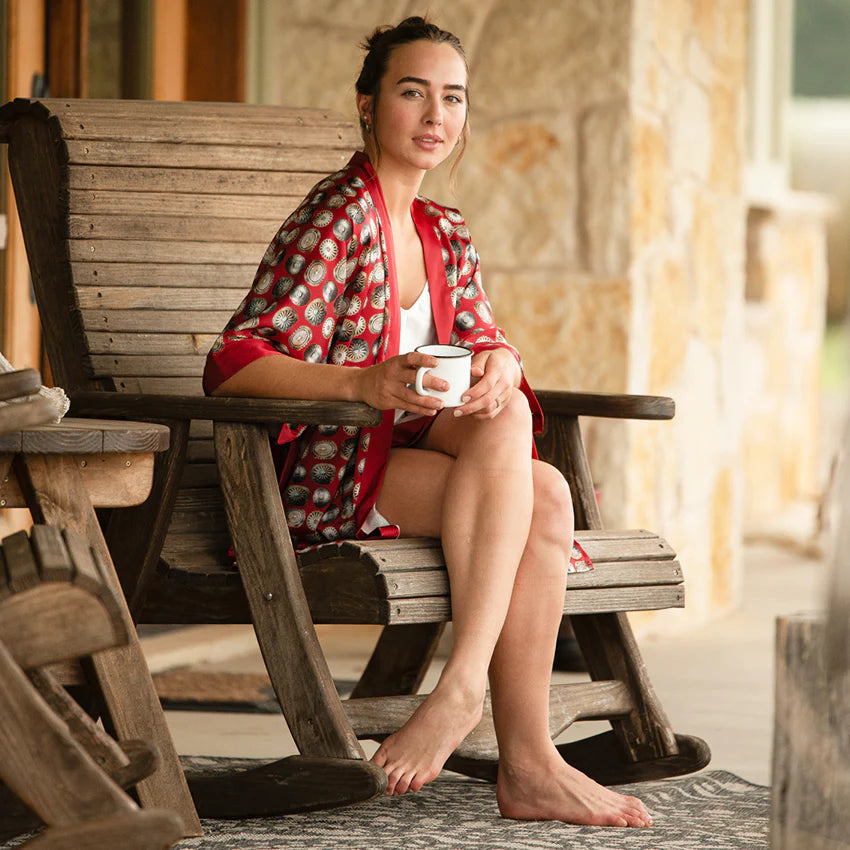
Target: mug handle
column 421, row 372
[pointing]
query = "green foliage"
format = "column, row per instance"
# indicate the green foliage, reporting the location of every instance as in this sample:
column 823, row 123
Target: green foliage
column 822, row 48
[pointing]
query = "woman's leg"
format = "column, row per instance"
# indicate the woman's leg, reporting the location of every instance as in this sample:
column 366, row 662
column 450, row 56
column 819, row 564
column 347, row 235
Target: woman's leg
column 477, row 497
column 534, row 781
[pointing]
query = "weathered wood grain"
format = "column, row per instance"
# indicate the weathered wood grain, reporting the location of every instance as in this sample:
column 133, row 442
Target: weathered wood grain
column 172, row 228
column 188, row 297
column 140, row 201
column 135, row 830
column 141, row 250
column 20, row 383
column 222, row 409
column 241, row 157
column 56, row 495
column 811, row 751
column 149, row 343
column 291, row 650
column 42, row 763
column 563, row 403
column 200, row 275
column 111, row 480
column 195, row 180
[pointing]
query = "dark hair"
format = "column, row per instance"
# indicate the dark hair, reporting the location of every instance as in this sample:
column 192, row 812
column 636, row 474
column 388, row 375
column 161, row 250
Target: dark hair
column 381, row 44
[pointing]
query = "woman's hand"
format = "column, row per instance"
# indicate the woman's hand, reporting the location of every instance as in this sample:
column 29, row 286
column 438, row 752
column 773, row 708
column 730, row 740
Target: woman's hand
column 497, row 373
column 385, row 385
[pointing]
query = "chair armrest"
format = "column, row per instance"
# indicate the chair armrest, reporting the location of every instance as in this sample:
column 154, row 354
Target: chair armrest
column 609, row 405
column 223, row 409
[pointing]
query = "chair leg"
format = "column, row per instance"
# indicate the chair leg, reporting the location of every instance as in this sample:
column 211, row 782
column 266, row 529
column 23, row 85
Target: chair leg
column 285, row 632
column 400, row 660
column 154, row 829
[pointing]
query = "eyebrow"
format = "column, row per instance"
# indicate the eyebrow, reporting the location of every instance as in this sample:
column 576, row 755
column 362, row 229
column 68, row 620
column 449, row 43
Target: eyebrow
column 421, row 82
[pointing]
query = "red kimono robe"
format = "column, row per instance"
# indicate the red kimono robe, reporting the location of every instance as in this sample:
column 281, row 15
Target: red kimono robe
column 326, row 292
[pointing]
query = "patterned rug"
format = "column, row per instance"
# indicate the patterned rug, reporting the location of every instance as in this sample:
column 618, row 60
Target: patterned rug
column 714, row 810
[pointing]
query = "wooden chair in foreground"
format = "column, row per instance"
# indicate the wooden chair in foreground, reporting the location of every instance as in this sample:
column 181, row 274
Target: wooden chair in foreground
column 54, row 607
column 144, row 223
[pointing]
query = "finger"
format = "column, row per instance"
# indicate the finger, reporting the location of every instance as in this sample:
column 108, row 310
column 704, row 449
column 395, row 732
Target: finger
column 411, row 402
column 476, row 371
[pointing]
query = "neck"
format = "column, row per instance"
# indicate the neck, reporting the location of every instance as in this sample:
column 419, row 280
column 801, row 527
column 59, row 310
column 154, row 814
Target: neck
column 399, row 187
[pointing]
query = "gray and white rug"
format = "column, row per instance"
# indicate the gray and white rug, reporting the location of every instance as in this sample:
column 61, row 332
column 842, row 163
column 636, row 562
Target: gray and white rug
column 714, row 810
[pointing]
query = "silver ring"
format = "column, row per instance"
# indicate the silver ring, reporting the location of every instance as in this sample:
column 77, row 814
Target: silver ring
column 498, row 404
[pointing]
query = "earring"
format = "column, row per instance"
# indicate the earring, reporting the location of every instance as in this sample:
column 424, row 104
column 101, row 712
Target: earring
column 364, row 120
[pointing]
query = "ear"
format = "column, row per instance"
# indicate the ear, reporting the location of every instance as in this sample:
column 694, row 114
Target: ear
column 364, row 104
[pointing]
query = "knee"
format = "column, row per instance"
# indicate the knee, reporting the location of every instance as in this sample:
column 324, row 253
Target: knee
column 514, row 418
column 552, row 518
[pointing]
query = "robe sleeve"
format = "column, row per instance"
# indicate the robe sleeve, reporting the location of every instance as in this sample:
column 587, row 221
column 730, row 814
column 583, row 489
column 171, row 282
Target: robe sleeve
column 299, row 291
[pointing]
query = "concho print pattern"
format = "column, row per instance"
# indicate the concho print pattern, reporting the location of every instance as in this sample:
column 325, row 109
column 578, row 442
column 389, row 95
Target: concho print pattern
column 323, row 294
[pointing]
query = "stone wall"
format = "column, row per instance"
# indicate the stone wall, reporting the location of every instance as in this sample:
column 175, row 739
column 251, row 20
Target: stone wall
column 785, row 316
column 603, row 189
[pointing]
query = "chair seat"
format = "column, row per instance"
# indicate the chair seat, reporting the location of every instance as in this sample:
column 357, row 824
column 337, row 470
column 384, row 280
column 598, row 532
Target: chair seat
column 405, row 580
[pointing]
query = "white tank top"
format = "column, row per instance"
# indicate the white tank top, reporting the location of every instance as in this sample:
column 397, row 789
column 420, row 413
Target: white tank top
column 416, row 328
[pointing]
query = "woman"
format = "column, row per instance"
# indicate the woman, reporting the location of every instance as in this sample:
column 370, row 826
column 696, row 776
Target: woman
column 365, row 269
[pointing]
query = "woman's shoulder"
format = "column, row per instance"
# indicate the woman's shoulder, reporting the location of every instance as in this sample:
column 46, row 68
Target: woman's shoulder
column 447, row 220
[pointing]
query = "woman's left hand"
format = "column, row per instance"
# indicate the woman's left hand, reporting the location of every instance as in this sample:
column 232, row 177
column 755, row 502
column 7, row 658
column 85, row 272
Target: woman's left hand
column 495, row 373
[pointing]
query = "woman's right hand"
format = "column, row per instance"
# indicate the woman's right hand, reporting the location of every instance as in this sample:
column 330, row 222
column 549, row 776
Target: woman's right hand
column 389, row 385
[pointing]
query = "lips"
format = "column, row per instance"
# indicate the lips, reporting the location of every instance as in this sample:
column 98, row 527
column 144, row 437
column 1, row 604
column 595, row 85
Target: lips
column 431, row 140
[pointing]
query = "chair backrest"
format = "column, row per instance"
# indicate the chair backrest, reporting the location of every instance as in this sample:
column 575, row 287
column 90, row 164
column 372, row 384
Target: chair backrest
column 144, row 224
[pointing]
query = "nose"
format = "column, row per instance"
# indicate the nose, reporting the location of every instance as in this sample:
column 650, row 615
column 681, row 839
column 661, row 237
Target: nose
column 434, row 114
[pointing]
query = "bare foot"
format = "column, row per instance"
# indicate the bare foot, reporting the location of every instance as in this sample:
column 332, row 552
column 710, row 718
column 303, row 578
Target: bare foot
column 554, row 790
column 415, row 754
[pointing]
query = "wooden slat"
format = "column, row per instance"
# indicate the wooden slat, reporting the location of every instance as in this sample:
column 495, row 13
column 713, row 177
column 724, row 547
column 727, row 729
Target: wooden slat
column 275, row 206
column 88, row 436
column 193, row 179
column 199, row 275
column 119, row 110
column 608, row 550
column 200, row 450
column 150, row 343
column 140, row 250
column 21, row 566
column 593, row 601
column 241, row 158
column 156, row 321
column 21, row 383
column 183, row 298
column 435, row 582
column 51, row 553
column 172, row 228
column 157, row 386
column 167, row 365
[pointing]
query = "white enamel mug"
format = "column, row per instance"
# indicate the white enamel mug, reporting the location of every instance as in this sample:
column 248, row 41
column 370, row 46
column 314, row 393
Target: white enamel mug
column 453, row 366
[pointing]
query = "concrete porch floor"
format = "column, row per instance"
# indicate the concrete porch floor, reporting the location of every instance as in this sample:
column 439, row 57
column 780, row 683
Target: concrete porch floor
column 715, row 682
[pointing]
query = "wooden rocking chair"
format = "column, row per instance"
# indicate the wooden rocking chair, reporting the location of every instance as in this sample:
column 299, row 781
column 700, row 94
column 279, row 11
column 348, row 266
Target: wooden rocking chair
column 56, row 606
column 144, row 223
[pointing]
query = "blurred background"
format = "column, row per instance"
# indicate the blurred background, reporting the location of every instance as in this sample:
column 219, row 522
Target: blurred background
column 660, row 192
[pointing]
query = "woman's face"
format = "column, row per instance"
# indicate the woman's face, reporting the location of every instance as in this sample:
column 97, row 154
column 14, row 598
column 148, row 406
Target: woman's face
column 422, row 106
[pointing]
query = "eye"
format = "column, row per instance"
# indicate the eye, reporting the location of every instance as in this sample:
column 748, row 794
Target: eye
column 411, row 93
column 453, row 98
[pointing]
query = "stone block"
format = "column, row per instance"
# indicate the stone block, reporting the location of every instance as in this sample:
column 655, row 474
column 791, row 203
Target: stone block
column 604, row 170
column 650, row 214
column 572, row 331
column 554, row 56
column 520, row 179
column 670, row 330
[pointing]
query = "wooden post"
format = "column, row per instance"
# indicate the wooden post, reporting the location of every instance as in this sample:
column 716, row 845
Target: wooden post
column 811, row 755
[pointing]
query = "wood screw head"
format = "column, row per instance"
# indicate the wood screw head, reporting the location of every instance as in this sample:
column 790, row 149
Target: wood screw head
column 128, row 463
column 84, row 463
column 268, row 596
column 2, row 503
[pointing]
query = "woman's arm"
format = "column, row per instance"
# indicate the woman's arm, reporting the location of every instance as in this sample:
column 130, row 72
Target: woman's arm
column 384, row 386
